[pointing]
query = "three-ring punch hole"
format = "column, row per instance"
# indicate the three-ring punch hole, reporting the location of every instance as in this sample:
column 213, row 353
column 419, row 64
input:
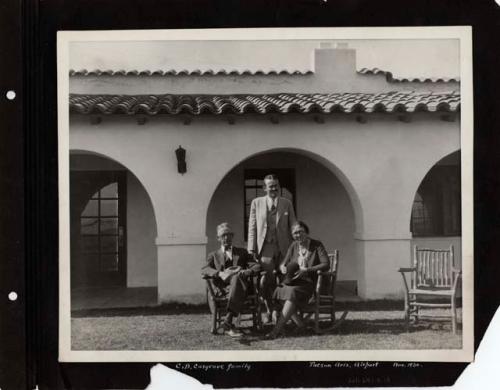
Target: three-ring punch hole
column 11, row 95
column 13, row 296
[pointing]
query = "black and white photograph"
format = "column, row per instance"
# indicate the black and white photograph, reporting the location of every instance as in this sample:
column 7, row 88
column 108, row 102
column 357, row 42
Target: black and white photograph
column 266, row 195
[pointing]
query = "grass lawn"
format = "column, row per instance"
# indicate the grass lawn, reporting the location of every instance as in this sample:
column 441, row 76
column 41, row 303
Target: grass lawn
column 362, row 329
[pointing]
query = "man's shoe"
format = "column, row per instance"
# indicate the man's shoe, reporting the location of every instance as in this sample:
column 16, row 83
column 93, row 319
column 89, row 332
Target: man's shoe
column 230, row 330
column 271, row 335
column 233, row 332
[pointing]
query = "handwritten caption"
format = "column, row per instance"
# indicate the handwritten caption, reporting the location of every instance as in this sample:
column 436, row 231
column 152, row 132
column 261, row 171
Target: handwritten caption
column 362, row 365
column 214, row 367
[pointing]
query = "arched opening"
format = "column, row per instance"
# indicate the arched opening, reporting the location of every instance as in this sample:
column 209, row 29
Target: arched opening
column 436, row 210
column 319, row 196
column 112, row 225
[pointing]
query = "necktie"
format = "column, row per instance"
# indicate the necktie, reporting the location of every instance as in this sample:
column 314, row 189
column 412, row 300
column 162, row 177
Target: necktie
column 227, row 259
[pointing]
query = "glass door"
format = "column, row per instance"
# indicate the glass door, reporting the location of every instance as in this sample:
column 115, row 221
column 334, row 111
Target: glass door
column 99, row 221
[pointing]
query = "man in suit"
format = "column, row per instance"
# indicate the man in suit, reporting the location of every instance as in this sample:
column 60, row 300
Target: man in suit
column 270, row 221
column 236, row 287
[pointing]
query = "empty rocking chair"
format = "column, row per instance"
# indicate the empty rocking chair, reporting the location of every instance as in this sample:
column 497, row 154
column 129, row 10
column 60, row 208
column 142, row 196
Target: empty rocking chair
column 433, row 274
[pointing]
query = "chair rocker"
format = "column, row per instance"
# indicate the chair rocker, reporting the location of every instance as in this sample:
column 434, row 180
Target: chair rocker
column 433, row 275
column 218, row 306
column 321, row 306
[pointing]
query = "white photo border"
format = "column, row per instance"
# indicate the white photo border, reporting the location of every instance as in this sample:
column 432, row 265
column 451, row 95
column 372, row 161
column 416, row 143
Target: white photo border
column 462, row 33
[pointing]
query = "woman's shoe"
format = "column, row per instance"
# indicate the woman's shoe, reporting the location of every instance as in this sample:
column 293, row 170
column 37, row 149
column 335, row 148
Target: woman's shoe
column 300, row 330
column 270, row 336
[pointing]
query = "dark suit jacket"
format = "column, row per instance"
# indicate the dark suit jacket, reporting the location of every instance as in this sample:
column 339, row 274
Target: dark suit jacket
column 316, row 261
column 215, row 261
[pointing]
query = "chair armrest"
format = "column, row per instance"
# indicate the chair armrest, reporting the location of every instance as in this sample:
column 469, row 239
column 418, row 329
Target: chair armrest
column 456, row 270
column 318, row 284
column 457, row 274
column 407, row 269
column 209, row 281
column 326, row 273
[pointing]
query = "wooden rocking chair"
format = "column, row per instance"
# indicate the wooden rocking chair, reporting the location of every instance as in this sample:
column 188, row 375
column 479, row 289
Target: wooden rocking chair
column 433, row 274
column 218, row 305
column 322, row 304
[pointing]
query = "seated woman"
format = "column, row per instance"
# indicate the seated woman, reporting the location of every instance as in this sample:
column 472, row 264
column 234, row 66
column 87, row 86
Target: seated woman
column 304, row 258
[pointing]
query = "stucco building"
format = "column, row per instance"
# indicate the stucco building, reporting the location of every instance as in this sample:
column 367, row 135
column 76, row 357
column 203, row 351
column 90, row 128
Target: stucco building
column 371, row 163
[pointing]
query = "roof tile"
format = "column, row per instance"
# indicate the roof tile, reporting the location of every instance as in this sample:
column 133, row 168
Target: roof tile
column 186, row 72
column 282, row 103
column 390, row 78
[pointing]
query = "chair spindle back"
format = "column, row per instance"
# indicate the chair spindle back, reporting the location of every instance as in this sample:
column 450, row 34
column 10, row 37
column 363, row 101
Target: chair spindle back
column 433, row 268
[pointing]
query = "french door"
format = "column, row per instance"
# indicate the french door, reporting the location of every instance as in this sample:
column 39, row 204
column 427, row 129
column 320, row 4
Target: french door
column 98, row 228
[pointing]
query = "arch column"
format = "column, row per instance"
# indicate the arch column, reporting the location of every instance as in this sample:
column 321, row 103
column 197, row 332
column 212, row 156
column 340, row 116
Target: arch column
column 384, row 242
column 379, row 258
column 179, row 263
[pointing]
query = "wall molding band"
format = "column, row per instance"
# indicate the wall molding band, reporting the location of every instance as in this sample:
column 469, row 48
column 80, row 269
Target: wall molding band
column 182, row 240
column 372, row 236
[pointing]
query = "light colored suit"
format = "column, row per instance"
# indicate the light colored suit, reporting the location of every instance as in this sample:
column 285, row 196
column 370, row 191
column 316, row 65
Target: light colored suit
column 257, row 224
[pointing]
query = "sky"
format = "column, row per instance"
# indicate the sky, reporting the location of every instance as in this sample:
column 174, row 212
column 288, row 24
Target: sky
column 402, row 57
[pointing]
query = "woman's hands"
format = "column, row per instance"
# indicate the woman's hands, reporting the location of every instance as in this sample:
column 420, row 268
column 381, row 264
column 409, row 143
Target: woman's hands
column 302, row 272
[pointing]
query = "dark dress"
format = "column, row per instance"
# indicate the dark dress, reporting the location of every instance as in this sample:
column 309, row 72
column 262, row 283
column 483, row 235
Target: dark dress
column 300, row 289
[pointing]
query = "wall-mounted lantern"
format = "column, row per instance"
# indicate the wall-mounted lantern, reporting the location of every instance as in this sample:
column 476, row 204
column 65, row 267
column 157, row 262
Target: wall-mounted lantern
column 180, row 153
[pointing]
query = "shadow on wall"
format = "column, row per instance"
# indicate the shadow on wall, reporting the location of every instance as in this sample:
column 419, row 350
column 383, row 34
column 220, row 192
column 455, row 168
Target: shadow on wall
column 138, row 223
column 319, row 197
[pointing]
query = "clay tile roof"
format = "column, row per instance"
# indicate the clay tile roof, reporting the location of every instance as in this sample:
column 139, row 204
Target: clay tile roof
column 186, row 72
column 390, row 78
column 283, row 103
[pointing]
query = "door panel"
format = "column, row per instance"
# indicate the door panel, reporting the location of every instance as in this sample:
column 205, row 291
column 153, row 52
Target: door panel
column 98, row 226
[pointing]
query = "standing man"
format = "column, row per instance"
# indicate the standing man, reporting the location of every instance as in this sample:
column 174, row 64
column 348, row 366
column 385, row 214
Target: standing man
column 269, row 233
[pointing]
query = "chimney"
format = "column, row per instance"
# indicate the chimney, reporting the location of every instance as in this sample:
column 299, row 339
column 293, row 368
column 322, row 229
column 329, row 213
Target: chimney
column 335, row 65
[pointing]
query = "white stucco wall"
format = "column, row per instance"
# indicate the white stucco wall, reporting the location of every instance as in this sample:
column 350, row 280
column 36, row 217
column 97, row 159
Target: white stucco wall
column 142, row 264
column 141, row 224
column 322, row 202
column 380, row 164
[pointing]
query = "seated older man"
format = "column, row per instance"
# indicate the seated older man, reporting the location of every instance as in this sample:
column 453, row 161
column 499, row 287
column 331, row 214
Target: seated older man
column 219, row 266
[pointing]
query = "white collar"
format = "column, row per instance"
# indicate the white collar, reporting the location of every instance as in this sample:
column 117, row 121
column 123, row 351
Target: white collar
column 230, row 250
column 270, row 201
